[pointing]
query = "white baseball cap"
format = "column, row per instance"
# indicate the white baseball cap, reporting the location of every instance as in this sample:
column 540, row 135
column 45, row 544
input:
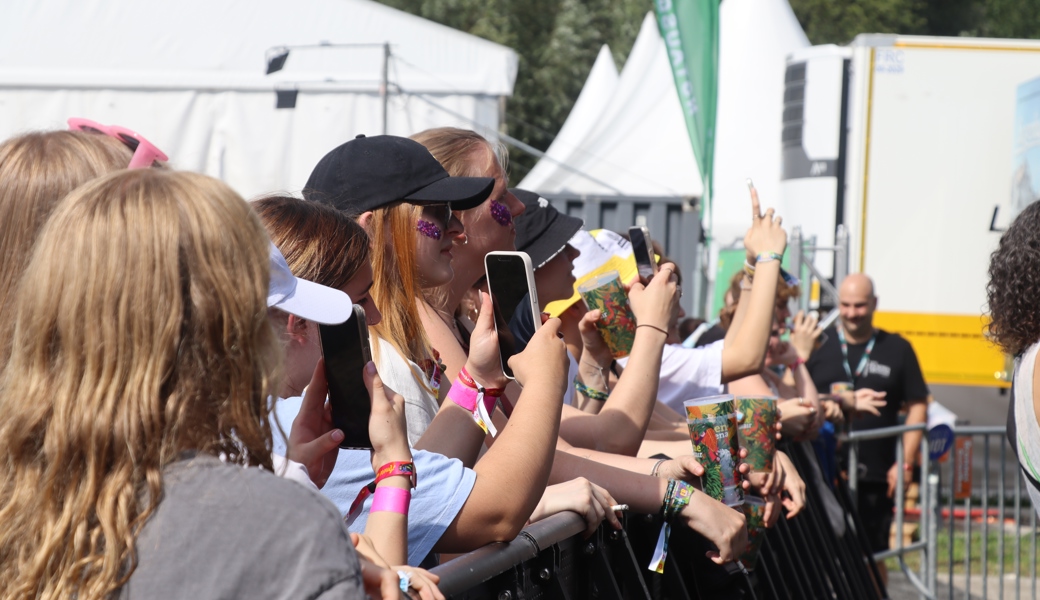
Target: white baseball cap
column 305, row 299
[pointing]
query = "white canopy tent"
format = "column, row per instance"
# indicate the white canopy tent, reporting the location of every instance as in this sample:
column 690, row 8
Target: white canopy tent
column 638, row 144
column 629, row 137
column 190, row 76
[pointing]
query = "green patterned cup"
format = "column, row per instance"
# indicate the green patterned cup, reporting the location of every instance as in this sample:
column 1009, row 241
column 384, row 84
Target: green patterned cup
column 755, row 511
column 714, row 437
column 756, row 418
column 617, row 323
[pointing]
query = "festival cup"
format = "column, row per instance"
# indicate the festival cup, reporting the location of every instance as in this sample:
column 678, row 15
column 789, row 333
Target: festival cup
column 616, row 323
column 756, row 418
column 755, row 511
column 713, row 433
column 839, row 387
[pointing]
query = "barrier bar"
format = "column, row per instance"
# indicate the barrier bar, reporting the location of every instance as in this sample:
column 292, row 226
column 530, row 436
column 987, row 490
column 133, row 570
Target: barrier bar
column 484, row 563
column 985, row 515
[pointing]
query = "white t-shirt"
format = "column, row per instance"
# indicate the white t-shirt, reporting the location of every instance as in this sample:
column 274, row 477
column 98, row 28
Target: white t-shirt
column 292, row 470
column 399, row 374
column 688, row 373
column 444, row 485
column 1028, row 429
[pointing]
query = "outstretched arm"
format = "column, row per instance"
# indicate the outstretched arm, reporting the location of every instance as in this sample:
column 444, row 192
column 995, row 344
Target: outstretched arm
column 621, row 423
column 512, row 476
column 745, row 345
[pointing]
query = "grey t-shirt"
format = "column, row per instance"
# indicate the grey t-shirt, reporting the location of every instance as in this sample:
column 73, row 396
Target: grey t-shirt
column 223, row 531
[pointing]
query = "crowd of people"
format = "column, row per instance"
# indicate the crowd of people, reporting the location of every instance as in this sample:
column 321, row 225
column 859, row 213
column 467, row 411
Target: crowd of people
column 167, row 430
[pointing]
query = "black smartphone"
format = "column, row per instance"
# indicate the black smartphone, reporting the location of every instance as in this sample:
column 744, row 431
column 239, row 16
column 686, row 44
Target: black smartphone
column 643, row 249
column 346, row 350
column 517, row 316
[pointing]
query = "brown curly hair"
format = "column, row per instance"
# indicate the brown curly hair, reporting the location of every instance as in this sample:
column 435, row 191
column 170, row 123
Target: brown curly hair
column 1013, row 291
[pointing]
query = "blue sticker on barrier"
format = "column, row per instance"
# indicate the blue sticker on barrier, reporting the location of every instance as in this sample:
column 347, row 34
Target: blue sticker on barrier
column 940, row 440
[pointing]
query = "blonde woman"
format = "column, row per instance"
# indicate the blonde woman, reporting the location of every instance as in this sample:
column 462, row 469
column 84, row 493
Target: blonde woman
column 37, row 170
column 135, row 392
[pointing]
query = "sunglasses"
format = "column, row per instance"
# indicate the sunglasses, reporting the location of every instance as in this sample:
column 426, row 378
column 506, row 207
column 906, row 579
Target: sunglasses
column 145, row 152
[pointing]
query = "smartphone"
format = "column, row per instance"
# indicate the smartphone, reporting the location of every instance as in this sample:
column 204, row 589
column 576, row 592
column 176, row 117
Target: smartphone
column 346, row 350
column 515, row 299
column 643, row 250
column 829, row 319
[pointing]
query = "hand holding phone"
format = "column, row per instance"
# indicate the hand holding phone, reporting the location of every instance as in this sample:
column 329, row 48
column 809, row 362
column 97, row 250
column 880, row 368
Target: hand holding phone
column 346, row 350
column 514, row 300
column 544, row 359
column 643, row 250
column 387, row 427
column 484, row 362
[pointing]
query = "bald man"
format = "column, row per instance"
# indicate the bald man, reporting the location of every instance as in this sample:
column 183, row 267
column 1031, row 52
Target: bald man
column 880, row 366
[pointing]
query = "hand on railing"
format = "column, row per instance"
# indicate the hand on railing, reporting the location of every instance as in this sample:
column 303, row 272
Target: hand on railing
column 378, row 575
column 579, row 495
column 421, row 583
column 794, row 486
column 723, row 526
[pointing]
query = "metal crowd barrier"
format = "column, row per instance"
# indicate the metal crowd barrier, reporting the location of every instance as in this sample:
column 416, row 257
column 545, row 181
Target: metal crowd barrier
column 804, row 557
column 941, row 506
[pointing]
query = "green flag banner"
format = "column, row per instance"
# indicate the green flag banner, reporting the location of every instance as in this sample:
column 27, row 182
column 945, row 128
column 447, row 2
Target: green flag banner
column 690, row 29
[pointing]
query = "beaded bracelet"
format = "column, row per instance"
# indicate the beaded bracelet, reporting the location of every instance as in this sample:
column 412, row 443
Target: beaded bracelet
column 590, row 393
column 677, row 496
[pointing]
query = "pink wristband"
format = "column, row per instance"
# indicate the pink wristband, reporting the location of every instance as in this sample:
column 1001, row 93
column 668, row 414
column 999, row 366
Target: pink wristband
column 465, row 397
column 391, row 499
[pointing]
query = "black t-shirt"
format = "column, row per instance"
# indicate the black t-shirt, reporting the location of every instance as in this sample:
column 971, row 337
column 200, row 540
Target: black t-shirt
column 892, row 368
column 712, row 335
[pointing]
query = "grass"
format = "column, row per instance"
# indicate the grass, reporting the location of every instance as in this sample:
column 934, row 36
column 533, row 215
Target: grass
column 913, row 559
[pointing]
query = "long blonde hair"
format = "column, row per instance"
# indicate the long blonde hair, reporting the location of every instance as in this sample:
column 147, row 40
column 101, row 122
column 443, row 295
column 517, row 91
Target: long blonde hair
column 140, row 336
column 396, row 283
column 37, row 170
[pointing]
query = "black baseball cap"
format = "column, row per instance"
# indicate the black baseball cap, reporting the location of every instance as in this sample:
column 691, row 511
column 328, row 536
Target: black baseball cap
column 367, row 173
column 541, row 230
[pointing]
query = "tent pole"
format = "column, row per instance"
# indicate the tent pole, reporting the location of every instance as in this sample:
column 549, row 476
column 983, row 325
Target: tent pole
column 385, row 87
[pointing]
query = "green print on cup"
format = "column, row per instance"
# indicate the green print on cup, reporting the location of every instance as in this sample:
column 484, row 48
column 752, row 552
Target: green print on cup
column 616, row 323
column 714, row 437
column 755, row 511
column 756, row 429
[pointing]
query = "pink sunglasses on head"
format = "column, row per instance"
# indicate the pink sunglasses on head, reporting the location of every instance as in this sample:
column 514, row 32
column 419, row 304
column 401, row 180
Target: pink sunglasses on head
column 145, row 152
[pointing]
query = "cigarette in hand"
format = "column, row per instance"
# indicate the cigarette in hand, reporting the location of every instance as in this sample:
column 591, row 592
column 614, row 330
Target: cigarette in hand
column 618, row 507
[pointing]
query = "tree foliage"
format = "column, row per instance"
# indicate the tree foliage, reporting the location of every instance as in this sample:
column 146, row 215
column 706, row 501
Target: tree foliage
column 839, row 21
column 558, row 40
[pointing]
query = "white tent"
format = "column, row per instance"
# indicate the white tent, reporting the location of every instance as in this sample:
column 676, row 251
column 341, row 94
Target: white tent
column 189, row 76
column 630, row 137
column 639, row 145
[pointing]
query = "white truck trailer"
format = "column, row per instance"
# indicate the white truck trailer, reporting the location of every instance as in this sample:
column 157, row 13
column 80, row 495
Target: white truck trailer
column 922, row 148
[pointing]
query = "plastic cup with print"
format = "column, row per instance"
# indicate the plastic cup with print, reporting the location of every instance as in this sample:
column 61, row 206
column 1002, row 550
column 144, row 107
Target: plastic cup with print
column 617, row 323
column 756, row 418
column 713, row 434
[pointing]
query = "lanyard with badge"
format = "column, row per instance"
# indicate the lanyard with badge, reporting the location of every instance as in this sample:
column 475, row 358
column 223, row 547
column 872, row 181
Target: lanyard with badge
column 862, row 361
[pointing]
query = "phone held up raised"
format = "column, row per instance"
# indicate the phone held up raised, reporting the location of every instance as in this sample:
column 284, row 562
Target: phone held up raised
column 515, row 300
column 346, row 350
column 643, row 249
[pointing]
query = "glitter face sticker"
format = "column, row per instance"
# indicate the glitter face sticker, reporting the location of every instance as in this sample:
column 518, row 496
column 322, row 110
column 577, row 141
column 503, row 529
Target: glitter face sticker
column 429, row 229
column 501, row 214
